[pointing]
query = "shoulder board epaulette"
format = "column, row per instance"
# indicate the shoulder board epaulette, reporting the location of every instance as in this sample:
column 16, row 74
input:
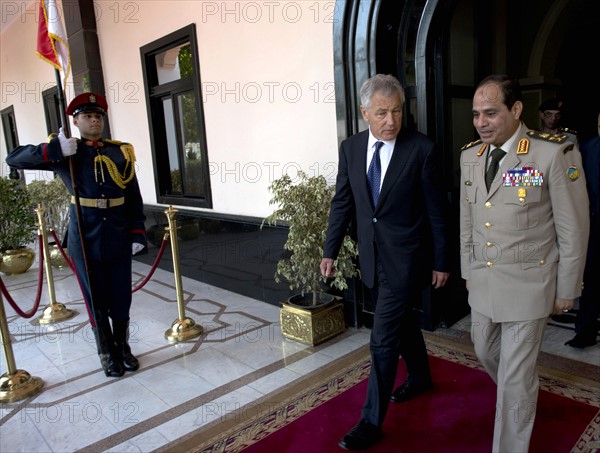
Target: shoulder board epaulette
column 569, row 130
column 51, row 136
column 468, row 145
column 555, row 138
column 127, row 149
column 568, row 148
column 114, row 142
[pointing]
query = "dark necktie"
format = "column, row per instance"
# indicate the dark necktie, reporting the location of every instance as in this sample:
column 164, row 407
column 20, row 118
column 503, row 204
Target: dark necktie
column 374, row 174
column 497, row 156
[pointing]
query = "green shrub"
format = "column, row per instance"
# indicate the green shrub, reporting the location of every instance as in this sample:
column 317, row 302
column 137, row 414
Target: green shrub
column 17, row 218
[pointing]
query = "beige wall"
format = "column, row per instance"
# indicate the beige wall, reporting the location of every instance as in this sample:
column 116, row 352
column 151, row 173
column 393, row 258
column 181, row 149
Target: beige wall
column 267, row 75
column 23, row 75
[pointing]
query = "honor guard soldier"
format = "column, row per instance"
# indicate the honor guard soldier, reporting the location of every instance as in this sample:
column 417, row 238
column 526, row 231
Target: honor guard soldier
column 524, row 228
column 550, row 116
column 112, row 221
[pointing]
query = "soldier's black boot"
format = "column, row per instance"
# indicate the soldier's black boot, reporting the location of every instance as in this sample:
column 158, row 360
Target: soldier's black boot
column 110, row 360
column 121, row 337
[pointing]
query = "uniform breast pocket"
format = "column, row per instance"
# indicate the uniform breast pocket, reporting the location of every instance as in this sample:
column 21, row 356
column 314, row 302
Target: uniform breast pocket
column 522, row 203
column 470, row 194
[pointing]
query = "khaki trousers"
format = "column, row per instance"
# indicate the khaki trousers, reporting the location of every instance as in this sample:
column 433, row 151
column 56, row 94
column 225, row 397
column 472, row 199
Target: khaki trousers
column 509, row 352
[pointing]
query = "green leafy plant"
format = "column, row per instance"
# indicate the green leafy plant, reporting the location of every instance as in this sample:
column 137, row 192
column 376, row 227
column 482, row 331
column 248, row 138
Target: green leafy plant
column 55, row 198
column 17, row 219
column 304, row 207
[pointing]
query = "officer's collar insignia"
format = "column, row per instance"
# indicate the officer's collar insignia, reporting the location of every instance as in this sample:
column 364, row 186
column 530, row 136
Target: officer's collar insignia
column 92, row 143
column 523, row 147
column 572, row 173
column 481, row 150
column 92, row 99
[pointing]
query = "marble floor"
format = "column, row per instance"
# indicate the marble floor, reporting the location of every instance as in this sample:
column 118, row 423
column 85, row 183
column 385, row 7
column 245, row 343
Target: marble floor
column 240, row 357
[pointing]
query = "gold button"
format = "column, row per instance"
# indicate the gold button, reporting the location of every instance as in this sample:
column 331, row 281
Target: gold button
column 489, row 264
column 542, row 262
column 489, row 244
column 488, row 204
column 467, row 198
column 521, row 200
column 488, row 225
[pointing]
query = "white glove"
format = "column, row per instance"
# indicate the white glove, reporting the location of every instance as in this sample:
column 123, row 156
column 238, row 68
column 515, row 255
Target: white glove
column 68, row 146
column 136, row 247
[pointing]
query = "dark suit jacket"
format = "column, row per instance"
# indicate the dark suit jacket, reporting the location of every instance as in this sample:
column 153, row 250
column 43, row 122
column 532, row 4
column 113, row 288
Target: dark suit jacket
column 410, row 213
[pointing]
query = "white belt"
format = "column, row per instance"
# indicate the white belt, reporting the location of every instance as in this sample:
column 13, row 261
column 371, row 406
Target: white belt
column 100, row 203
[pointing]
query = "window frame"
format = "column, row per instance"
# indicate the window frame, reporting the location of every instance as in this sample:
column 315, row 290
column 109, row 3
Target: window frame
column 155, row 93
column 11, row 138
column 51, row 109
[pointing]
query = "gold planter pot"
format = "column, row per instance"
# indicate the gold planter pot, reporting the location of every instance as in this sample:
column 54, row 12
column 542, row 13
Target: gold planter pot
column 312, row 325
column 56, row 258
column 17, row 261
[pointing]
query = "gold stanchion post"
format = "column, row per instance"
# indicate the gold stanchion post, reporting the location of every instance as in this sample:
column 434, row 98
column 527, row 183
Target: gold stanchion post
column 54, row 312
column 15, row 385
column 183, row 328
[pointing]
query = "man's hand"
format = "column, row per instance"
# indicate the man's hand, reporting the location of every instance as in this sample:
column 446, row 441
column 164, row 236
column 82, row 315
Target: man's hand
column 68, row 146
column 562, row 305
column 439, row 279
column 136, row 247
column 327, row 268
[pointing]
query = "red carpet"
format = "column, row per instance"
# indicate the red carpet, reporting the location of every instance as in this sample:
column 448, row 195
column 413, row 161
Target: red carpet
column 456, row 417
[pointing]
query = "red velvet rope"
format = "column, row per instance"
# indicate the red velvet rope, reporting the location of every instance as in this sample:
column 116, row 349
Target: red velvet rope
column 148, row 277
column 154, row 265
column 36, row 304
column 30, row 313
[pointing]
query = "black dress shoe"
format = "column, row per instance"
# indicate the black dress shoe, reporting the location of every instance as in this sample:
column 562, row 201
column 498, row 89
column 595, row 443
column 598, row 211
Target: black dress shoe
column 581, row 341
column 361, row 437
column 409, row 390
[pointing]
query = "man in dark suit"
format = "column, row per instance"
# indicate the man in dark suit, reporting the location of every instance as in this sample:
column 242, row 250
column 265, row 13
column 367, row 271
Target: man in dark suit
column 587, row 325
column 388, row 182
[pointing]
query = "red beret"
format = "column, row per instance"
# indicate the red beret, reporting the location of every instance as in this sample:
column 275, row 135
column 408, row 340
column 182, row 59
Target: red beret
column 87, row 102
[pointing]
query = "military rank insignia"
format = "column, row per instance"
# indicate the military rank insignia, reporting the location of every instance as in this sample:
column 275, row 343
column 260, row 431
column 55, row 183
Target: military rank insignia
column 523, row 177
column 523, row 147
column 468, row 145
column 548, row 137
column 572, row 173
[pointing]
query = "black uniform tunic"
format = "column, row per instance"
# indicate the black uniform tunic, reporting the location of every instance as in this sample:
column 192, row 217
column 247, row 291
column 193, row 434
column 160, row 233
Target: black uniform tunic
column 109, row 231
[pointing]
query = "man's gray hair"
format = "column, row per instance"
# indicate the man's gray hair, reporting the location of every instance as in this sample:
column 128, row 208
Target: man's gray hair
column 386, row 85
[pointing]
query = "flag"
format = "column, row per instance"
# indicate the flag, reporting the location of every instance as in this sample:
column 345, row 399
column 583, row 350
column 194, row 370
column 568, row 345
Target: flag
column 52, row 45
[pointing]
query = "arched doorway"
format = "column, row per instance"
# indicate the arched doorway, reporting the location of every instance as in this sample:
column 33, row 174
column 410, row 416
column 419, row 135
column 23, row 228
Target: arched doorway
column 439, row 50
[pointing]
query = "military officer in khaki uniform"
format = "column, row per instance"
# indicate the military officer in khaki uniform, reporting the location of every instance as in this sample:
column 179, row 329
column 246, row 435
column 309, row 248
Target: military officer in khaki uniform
column 550, row 115
column 523, row 246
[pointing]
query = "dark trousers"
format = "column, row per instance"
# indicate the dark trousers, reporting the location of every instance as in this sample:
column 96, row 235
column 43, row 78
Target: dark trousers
column 110, row 286
column 395, row 332
column 586, row 322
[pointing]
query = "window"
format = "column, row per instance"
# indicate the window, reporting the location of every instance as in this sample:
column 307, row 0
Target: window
column 173, row 96
column 9, row 126
column 51, row 110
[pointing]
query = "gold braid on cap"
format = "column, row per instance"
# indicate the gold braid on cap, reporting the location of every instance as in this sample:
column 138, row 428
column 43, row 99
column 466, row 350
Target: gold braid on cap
column 120, row 179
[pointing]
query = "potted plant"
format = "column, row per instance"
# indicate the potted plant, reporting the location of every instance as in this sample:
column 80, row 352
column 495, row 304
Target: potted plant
column 17, row 228
column 55, row 199
column 303, row 205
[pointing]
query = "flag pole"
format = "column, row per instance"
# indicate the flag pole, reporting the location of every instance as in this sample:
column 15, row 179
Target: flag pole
column 67, row 131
